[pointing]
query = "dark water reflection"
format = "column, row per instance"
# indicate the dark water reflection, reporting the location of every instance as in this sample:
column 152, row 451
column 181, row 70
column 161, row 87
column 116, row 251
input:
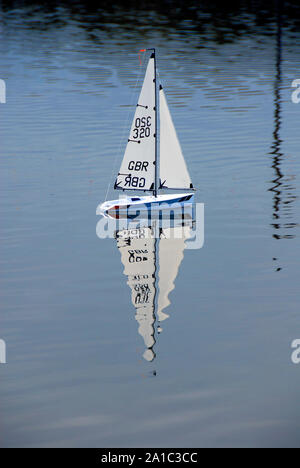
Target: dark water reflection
column 75, row 374
column 224, row 21
column 283, row 190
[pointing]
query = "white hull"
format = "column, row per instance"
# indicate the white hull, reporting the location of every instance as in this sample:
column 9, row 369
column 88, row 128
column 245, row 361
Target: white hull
column 132, row 207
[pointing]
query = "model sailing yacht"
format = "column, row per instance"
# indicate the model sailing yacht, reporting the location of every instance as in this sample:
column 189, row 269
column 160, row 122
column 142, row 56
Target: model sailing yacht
column 145, row 167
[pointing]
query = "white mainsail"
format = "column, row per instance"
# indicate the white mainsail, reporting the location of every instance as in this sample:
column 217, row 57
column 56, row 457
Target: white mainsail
column 137, row 247
column 173, row 170
column 138, row 166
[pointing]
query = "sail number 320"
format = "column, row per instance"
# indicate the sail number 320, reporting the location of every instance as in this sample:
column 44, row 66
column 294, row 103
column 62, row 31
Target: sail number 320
column 142, row 127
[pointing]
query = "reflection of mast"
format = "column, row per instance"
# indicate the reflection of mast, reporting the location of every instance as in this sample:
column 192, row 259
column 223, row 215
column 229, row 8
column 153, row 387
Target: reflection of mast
column 277, row 155
column 278, row 187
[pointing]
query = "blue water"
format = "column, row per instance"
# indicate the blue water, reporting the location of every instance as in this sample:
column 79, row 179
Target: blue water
column 75, row 374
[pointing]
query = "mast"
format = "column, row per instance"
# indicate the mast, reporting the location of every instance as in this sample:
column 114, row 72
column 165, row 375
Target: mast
column 156, row 181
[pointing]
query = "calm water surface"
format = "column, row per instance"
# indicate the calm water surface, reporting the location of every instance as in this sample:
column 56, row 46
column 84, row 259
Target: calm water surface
column 222, row 373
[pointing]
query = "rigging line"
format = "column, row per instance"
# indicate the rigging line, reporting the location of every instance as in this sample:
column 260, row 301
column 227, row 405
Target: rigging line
column 125, row 124
column 158, row 77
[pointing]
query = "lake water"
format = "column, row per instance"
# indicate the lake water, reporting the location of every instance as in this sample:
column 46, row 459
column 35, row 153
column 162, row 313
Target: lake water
column 221, row 372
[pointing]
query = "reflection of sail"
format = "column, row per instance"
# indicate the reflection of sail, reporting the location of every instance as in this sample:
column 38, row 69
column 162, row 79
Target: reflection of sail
column 171, row 247
column 137, row 247
column 151, row 257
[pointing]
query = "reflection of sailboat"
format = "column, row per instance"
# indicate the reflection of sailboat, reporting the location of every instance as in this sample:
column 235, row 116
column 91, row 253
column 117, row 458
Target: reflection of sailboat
column 145, row 167
column 151, row 257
